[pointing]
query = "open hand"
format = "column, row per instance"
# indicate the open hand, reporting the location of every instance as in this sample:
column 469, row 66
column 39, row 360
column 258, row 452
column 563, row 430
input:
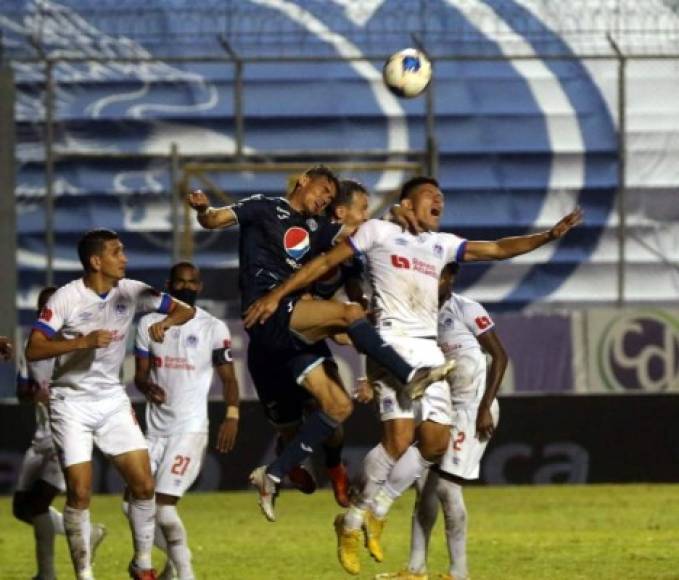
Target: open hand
column 567, row 223
column 260, row 310
column 484, row 424
column 226, row 438
column 405, row 217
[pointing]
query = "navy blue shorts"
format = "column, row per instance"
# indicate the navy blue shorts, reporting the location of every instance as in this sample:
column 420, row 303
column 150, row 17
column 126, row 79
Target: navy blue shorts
column 277, row 360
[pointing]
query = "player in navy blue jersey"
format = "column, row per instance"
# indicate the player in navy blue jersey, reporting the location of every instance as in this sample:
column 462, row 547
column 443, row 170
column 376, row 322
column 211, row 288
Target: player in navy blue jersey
column 278, row 236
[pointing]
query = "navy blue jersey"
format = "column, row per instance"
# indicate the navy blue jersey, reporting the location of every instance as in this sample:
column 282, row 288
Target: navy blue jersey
column 335, row 279
column 275, row 241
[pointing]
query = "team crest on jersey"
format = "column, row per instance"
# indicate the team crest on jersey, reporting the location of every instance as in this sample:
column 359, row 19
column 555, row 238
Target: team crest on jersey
column 296, row 242
column 312, row 224
column 401, row 242
column 121, row 309
column 85, row 316
column 448, row 322
column 192, row 341
column 438, row 250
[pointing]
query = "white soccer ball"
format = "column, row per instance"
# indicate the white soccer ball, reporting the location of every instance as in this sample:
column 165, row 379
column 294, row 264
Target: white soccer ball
column 407, row 72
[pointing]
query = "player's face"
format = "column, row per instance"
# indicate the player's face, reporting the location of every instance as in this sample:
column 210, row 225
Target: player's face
column 356, row 212
column 316, row 194
column 112, row 261
column 427, row 203
column 185, row 285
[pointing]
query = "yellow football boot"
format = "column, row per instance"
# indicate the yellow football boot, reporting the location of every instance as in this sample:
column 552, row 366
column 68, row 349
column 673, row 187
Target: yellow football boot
column 372, row 528
column 348, row 542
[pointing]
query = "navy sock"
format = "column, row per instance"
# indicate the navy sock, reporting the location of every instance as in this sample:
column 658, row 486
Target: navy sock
column 367, row 341
column 333, row 455
column 317, row 427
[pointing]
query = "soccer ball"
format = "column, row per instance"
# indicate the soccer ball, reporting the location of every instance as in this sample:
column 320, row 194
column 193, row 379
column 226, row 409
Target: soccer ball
column 407, row 72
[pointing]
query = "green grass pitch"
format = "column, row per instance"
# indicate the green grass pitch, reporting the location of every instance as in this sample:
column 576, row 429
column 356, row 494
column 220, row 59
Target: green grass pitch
column 539, row 533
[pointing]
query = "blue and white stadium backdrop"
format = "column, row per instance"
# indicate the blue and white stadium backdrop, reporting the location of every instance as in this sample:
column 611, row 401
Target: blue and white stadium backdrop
column 521, row 142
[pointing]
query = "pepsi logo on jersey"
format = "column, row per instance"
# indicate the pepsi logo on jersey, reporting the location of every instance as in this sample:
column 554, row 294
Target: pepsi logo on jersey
column 296, row 242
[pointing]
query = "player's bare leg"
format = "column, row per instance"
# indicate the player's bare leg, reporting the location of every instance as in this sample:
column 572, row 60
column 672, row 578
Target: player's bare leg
column 316, row 320
column 77, row 517
column 135, row 468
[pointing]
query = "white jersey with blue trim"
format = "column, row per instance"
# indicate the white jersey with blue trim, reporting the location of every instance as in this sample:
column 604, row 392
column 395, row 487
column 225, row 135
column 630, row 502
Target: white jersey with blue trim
column 461, row 321
column 404, row 271
column 183, row 366
column 75, row 310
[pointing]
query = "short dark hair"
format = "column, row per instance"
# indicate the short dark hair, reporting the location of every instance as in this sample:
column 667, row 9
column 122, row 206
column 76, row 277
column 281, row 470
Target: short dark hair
column 44, row 295
column 179, row 265
column 92, row 244
column 324, row 171
column 413, row 183
column 345, row 193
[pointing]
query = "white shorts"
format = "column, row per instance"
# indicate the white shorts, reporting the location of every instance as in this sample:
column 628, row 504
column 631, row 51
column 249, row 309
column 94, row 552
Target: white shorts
column 463, row 458
column 110, row 423
column 41, row 462
column 435, row 404
column 176, row 461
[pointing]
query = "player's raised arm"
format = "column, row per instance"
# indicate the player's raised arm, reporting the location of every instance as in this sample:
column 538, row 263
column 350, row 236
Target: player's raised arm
column 260, row 310
column 211, row 218
column 490, row 342
column 506, row 248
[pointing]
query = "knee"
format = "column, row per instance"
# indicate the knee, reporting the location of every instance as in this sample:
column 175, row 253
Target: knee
column 143, row 489
column 78, row 496
column 21, row 507
column 352, row 312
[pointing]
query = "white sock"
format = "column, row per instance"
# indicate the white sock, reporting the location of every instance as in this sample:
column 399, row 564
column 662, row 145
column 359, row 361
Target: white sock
column 376, row 468
column 158, row 538
column 43, row 531
column 142, row 516
column 77, row 527
column 170, row 523
column 424, row 517
column 455, row 514
column 406, row 471
column 57, row 521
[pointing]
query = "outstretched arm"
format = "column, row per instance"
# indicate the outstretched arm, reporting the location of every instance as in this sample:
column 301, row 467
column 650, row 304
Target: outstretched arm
column 261, row 309
column 211, row 218
column 490, row 342
column 506, row 248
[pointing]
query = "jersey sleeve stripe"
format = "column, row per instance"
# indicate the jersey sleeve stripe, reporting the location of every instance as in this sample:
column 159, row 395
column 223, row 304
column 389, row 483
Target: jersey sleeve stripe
column 459, row 257
column 165, row 304
column 46, row 329
column 140, row 352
